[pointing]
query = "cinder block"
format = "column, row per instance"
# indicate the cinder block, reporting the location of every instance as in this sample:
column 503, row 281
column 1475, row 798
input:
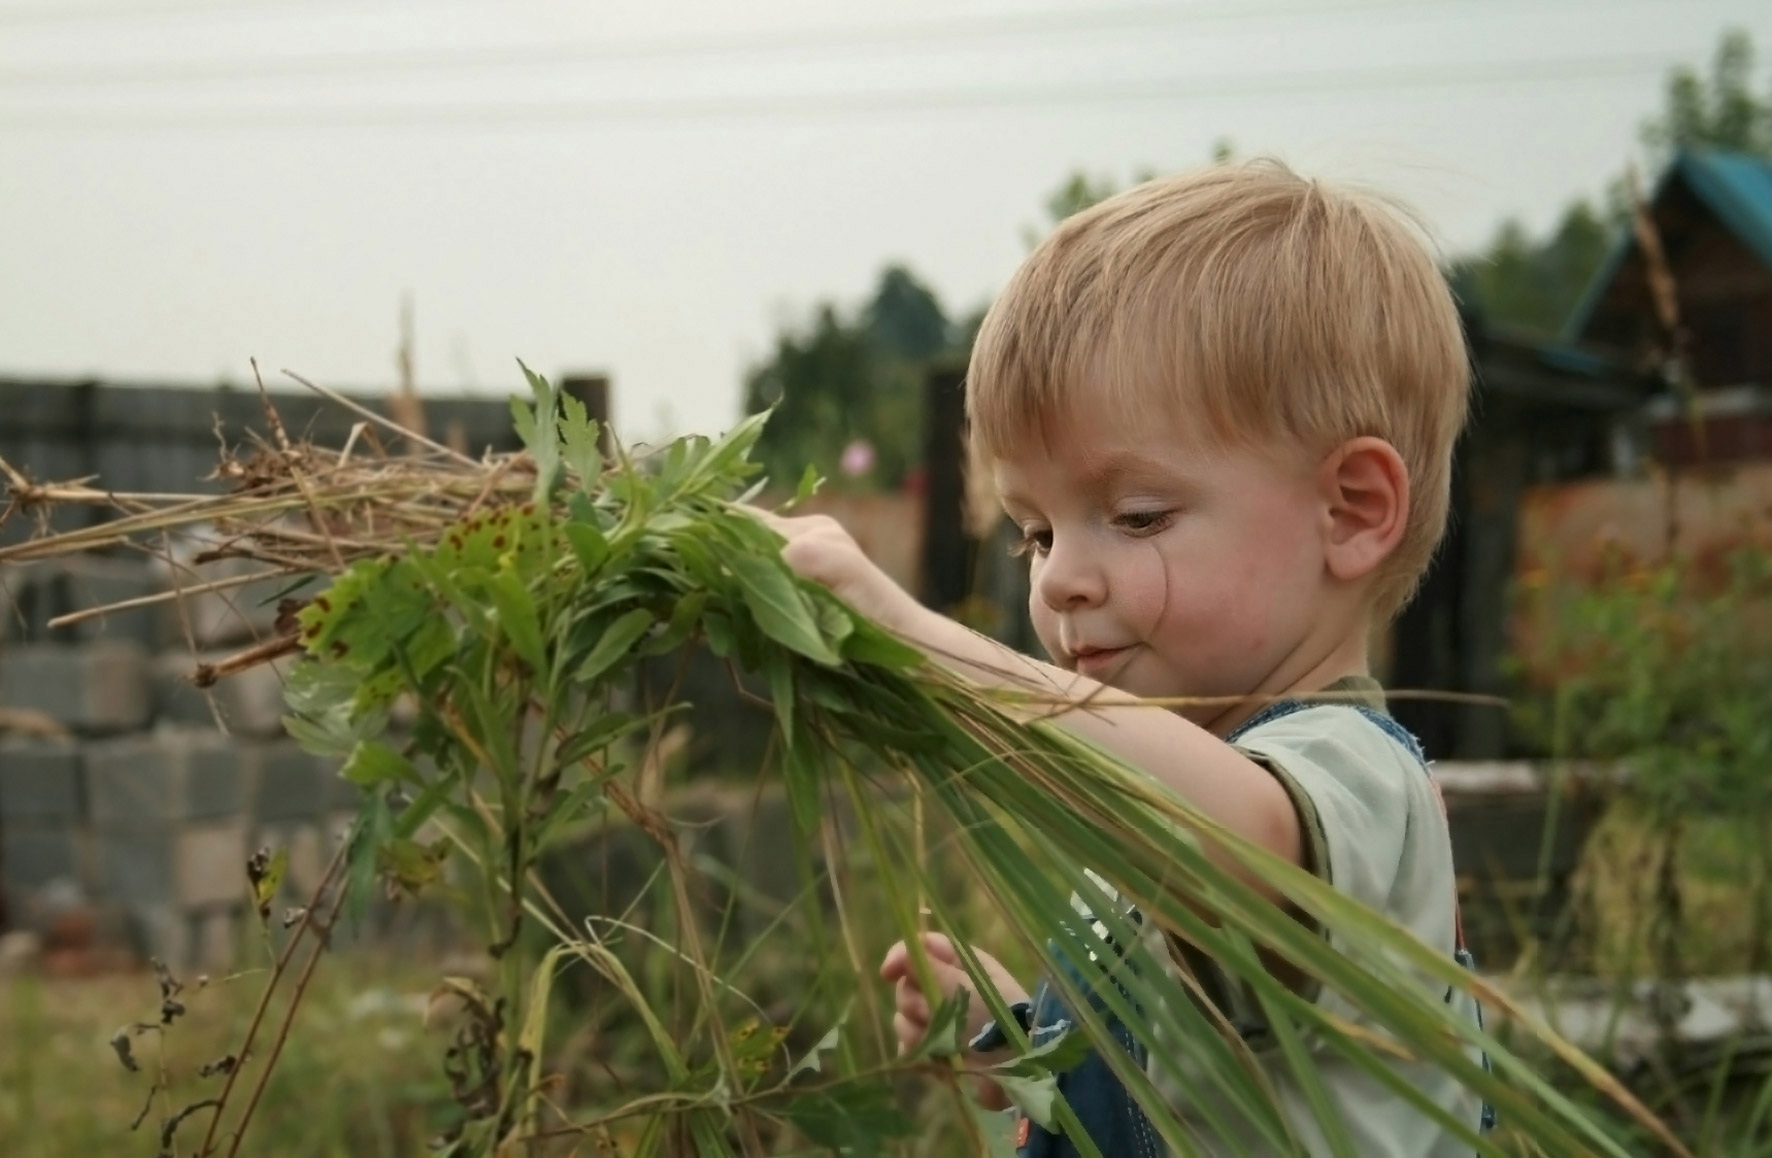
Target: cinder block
column 39, row 782
column 31, row 595
column 341, row 795
column 249, row 703
column 166, row 932
column 291, row 784
column 149, row 780
column 93, row 687
column 209, row 864
column 308, row 855
column 215, row 943
column 135, row 866
column 31, row 857
column 93, row 582
column 224, row 618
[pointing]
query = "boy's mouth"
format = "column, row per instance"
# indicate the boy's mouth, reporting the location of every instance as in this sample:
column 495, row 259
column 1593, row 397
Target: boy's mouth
column 1094, row 661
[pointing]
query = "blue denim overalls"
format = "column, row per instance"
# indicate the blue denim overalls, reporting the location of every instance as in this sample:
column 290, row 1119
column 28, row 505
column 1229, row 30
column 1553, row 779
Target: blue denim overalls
column 1107, row 1111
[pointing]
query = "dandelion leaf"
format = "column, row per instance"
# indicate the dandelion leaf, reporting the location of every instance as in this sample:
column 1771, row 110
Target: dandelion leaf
column 539, row 428
column 372, row 763
column 579, row 446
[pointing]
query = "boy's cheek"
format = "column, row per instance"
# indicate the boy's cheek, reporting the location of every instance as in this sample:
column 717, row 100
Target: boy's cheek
column 1045, row 622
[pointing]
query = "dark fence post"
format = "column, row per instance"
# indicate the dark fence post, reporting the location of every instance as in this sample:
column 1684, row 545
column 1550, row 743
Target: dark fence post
column 593, row 391
column 949, row 552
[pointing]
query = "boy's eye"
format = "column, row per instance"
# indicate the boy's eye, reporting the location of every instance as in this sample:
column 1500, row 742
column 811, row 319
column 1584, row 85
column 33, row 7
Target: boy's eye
column 1143, row 522
column 1032, row 543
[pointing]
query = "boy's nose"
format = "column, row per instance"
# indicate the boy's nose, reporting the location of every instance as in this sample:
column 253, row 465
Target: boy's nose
column 1070, row 578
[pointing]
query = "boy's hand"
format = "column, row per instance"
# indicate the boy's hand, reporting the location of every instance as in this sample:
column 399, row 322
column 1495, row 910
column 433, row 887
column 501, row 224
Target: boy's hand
column 911, row 1021
column 819, row 549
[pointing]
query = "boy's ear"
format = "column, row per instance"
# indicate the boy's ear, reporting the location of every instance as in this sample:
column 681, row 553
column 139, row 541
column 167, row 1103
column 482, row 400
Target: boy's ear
column 1366, row 491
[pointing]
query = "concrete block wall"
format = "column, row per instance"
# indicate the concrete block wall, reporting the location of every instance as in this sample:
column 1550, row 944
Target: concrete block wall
column 127, row 792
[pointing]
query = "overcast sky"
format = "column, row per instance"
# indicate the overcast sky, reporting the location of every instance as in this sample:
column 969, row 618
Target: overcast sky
column 655, row 187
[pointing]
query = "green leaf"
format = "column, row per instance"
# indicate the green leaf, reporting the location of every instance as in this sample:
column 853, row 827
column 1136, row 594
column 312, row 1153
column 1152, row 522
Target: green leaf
column 518, row 617
column 374, row 825
column 810, row 482
column 541, row 434
column 780, row 608
column 614, row 644
column 946, row 1024
column 413, row 866
column 800, row 775
column 873, row 646
column 997, row 1130
column 855, row 1118
column 835, row 621
column 602, row 732
column 778, row 669
column 422, row 807
column 685, row 617
column 440, row 570
column 726, row 461
column 722, row 640
column 813, row 1062
column 329, row 723
column 318, row 689
column 266, row 883
column 1035, row 1097
column 371, row 763
column 579, row 442
column 589, row 545
column 1057, row 1055
column 565, row 810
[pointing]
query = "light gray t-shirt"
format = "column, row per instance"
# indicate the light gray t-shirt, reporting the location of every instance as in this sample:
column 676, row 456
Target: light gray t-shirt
column 1375, row 829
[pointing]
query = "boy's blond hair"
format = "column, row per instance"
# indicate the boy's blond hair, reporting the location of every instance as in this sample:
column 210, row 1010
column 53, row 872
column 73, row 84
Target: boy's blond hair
column 1251, row 304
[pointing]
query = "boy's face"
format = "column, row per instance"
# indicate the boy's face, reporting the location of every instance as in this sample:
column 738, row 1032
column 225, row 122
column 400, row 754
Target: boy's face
column 1164, row 569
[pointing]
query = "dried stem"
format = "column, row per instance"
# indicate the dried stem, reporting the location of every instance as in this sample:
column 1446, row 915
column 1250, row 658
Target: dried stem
column 295, row 1000
column 264, row 1002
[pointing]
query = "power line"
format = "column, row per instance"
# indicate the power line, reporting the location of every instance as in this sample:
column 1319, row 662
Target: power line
column 46, row 13
column 1064, row 21
column 822, row 105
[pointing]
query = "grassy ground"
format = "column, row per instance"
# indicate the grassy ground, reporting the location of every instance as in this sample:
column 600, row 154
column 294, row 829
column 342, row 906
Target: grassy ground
column 359, row 1076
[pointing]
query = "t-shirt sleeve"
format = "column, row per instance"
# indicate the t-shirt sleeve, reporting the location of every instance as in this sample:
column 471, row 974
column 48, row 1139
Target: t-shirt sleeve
column 1354, row 788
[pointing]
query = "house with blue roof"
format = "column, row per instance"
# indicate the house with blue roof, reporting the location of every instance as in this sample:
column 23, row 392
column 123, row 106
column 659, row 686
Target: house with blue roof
column 1712, row 216
column 1594, row 402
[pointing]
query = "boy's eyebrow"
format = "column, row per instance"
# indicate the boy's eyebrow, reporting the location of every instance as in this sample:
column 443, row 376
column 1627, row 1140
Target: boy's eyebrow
column 1112, row 470
column 1131, row 466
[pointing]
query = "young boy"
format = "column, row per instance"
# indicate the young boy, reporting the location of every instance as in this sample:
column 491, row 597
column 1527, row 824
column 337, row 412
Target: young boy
column 1221, row 408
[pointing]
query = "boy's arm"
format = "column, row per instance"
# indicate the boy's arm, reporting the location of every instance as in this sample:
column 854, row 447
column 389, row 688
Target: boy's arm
column 1190, row 761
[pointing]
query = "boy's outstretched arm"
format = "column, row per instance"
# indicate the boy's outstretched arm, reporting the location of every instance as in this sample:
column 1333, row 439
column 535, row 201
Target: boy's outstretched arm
column 1196, row 765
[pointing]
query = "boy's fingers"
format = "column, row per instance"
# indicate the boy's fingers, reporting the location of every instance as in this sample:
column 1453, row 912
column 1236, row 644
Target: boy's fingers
column 910, row 1001
column 908, row 1034
column 941, row 949
column 897, row 962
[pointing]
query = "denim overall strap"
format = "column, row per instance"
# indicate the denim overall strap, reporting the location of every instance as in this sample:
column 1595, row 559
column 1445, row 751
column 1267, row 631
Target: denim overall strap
column 1106, row 1110
column 1108, row 1113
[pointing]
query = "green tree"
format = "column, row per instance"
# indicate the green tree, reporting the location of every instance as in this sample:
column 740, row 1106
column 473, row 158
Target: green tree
column 904, row 319
column 847, row 379
column 1721, row 112
column 1534, row 282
